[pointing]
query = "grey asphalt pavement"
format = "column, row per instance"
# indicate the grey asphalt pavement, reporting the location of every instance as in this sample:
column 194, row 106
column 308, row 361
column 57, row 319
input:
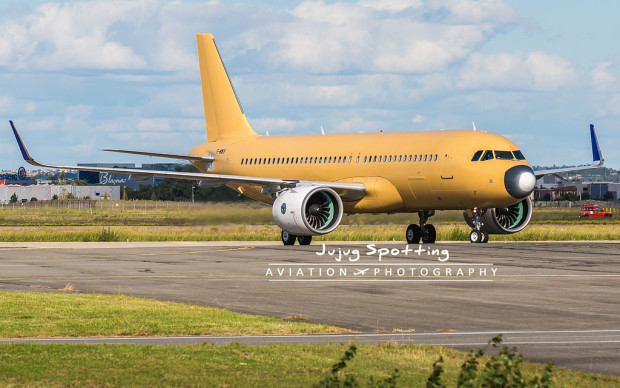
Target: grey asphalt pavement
column 554, row 300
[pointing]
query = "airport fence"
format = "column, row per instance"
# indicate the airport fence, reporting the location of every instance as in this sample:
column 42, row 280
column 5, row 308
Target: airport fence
column 86, row 204
column 609, row 206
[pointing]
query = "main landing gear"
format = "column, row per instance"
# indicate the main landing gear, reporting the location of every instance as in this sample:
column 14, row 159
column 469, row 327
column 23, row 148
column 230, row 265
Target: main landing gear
column 478, row 234
column 427, row 233
column 289, row 239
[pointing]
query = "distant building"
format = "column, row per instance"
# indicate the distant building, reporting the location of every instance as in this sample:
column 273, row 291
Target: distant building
column 19, row 177
column 598, row 189
column 594, row 189
column 109, row 178
column 547, row 182
column 47, row 192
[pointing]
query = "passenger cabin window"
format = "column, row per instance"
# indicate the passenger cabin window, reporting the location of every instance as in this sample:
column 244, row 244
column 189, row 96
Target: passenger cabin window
column 503, row 155
column 488, row 155
column 476, row 156
column 518, row 155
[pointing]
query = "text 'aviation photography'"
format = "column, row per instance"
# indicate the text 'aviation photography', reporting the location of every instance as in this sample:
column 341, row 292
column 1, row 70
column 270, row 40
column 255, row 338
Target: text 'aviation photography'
column 338, row 193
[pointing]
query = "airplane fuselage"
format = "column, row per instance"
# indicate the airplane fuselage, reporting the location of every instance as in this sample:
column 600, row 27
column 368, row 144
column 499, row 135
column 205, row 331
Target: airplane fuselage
column 402, row 171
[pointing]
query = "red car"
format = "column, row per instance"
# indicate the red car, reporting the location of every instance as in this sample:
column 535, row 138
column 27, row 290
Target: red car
column 594, row 211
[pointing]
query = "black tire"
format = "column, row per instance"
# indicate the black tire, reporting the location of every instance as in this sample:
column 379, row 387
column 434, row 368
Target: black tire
column 430, row 234
column 287, row 238
column 413, row 234
column 474, row 237
column 484, row 237
column 304, row 240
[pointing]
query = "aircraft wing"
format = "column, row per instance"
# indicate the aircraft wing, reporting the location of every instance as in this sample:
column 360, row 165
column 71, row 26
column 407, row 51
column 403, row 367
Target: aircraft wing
column 269, row 185
column 597, row 159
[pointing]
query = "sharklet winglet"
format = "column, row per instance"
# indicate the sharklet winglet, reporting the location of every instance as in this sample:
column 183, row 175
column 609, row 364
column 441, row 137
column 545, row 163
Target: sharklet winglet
column 22, row 147
column 597, row 155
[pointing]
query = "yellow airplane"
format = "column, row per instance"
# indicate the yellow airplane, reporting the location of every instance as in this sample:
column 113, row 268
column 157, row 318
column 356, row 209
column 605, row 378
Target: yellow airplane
column 312, row 180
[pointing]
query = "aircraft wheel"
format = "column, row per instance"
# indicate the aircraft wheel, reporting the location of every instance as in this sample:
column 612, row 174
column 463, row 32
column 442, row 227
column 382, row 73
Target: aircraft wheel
column 413, row 234
column 287, row 238
column 430, row 234
column 304, row 240
column 474, row 236
column 484, row 237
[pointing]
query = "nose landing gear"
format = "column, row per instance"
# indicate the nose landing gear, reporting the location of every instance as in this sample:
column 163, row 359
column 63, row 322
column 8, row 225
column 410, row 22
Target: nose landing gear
column 478, row 234
column 427, row 233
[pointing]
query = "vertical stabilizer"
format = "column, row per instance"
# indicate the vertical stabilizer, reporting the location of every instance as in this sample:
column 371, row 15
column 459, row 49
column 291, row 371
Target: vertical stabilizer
column 223, row 113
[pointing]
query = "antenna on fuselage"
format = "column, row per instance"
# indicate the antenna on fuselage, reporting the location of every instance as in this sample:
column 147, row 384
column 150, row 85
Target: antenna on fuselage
column 267, row 133
column 322, row 131
column 474, row 125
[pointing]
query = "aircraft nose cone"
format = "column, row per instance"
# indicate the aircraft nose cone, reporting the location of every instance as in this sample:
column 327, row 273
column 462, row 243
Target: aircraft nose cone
column 520, row 181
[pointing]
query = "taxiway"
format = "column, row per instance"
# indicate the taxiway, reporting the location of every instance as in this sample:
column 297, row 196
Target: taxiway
column 554, row 300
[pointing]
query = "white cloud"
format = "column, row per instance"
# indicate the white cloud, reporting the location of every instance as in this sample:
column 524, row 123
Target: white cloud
column 497, row 12
column 487, row 101
column 390, row 5
column 521, row 71
column 11, row 106
column 323, row 95
column 398, row 36
column 357, row 123
column 601, row 76
column 276, row 124
column 413, row 38
column 72, row 35
column 612, row 106
column 417, row 119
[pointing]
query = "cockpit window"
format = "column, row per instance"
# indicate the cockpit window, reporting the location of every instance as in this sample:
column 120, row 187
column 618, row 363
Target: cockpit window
column 476, row 156
column 504, row 155
column 488, row 155
column 518, row 155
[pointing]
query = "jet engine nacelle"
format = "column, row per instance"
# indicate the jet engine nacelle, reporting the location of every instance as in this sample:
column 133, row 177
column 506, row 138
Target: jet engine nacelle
column 505, row 220
column 308, row 210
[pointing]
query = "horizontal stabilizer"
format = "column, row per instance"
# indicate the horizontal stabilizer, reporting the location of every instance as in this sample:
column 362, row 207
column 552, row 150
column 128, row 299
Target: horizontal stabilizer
column 162, row 155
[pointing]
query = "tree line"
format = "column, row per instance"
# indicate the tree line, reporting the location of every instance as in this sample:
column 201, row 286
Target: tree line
column 181, row 190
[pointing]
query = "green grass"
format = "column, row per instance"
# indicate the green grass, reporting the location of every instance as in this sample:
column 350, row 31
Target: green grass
column 66, row 315
column 121, row 213
column 136, row 213
column 29, row 314
column 237, row 365
column 173, row 221
column 231, row 232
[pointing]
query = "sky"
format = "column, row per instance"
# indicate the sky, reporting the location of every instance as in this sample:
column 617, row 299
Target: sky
column 79, row 76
